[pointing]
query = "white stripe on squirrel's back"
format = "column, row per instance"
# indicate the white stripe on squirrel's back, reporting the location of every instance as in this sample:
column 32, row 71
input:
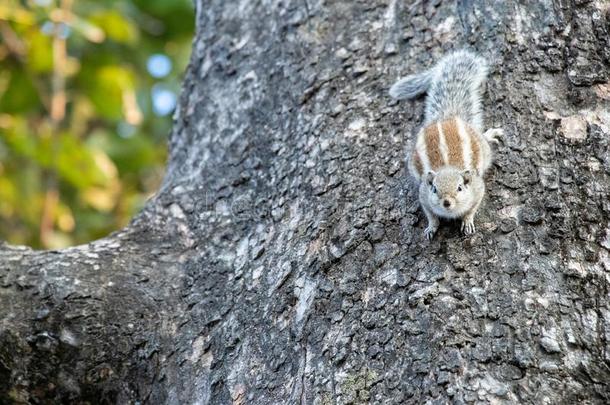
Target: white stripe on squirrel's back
column 466, row 145
column 453, row 143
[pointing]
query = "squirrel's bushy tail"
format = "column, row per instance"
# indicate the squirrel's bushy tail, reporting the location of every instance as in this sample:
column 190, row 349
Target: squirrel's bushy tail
column 411, row 86
column 454, row 87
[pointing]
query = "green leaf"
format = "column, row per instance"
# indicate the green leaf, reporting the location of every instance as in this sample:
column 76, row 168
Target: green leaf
column 75, row 163
column 20, row 95
column 131, row 155
column 105, row 87
column 40, row 52
column 88, row 30
column 116, row 26
column 23, row 143
column 9, row 11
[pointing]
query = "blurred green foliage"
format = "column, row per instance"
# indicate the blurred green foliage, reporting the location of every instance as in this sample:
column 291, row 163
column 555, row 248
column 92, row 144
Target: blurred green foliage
column 86, row 92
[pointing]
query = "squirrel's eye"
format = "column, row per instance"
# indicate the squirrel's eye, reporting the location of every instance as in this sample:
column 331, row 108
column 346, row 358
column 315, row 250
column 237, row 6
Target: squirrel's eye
column 434, row 189
column 459, row 188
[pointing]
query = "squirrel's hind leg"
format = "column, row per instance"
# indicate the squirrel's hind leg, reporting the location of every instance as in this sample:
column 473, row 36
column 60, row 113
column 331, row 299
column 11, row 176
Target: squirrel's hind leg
column 494, row 135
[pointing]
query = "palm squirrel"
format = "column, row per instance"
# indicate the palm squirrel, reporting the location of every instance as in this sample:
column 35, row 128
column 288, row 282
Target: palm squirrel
column 451, row 152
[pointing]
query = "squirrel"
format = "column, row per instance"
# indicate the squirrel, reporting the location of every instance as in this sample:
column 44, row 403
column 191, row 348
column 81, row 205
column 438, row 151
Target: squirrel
column 451, row 153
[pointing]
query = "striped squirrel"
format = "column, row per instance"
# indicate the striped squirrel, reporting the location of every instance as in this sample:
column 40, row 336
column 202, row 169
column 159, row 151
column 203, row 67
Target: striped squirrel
column 451, row 153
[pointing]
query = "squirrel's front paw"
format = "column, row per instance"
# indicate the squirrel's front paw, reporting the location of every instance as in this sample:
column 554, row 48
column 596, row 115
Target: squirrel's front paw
column 430, row 231
column 468, row 227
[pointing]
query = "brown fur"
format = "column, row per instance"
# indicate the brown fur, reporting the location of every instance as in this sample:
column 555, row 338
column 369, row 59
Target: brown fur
column 454, row 145
column 476, row 148
column 433, row 147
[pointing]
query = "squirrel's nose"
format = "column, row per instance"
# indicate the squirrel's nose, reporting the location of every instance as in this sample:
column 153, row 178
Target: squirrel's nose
column 446, row 203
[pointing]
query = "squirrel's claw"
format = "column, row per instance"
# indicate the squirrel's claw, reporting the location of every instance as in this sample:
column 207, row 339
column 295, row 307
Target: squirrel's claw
column 468, row 227
column 430, row 231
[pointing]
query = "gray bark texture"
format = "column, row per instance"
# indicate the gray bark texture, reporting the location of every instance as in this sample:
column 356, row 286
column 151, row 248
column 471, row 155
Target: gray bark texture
column 283, row 260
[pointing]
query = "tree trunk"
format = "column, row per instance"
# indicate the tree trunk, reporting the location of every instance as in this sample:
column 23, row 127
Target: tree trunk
column 283, row 260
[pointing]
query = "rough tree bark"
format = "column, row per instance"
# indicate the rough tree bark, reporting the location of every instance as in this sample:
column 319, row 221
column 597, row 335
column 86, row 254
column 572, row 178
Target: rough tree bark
column 283, row 261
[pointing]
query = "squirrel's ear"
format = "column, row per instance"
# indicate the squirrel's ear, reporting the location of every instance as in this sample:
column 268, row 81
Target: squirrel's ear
column 467, row 176
column 430, row 177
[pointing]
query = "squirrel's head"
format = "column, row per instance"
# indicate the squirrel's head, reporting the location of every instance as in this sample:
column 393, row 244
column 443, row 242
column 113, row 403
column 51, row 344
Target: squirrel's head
column 449, row 191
